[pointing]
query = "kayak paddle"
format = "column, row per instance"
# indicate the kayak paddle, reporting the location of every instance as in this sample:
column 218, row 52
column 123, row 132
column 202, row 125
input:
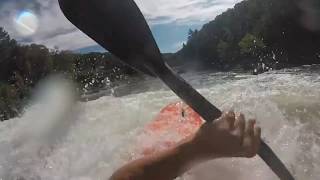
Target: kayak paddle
column 120, row 27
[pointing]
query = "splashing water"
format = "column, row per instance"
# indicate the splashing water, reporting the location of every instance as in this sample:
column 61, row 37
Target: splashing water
column 58, row 139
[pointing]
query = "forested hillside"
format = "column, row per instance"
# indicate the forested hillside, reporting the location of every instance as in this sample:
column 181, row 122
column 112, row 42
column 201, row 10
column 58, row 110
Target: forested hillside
column 278, row 33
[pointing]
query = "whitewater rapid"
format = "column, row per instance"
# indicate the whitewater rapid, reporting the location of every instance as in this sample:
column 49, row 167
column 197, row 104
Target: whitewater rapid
column 60, row 139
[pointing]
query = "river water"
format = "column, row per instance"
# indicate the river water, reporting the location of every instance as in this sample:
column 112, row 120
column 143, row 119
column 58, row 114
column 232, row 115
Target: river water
column 60, row 139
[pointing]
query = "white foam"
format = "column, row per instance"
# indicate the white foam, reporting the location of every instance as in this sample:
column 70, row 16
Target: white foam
column 101, row 135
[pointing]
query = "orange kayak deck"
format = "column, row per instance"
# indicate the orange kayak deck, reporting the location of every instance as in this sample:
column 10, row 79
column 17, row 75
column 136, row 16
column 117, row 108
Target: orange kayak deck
column 174, row 122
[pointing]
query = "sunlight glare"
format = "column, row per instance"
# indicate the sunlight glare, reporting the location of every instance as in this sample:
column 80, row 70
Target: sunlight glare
column 26, row 23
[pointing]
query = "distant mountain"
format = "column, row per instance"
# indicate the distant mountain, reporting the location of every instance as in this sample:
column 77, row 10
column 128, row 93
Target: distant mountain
column 275, row 33
column 90, row 49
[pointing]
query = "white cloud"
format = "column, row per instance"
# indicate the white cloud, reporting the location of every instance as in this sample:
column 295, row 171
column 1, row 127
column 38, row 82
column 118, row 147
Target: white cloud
column 183, row 11
column 71, row 41
column 56, row 30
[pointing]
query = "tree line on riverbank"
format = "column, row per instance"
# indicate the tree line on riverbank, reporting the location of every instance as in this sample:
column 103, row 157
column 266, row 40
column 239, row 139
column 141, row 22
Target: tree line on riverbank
column 23, row 66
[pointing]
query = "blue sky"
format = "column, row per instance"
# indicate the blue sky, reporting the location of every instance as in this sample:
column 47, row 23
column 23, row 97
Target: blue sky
column 169, row 37
column 169, row 21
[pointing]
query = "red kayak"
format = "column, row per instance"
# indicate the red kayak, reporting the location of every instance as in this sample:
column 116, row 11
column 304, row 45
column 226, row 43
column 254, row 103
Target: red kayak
column 174, row 123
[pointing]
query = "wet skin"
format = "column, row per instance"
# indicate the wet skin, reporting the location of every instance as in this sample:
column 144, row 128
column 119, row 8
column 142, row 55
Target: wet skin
column 229, row 136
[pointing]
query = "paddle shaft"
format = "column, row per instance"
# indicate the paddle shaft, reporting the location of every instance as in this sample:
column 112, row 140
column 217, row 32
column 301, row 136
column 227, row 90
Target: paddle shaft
column 209, row 113
column 120, row 27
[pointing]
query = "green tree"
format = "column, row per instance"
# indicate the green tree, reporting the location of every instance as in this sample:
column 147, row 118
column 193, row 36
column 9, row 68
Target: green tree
column 6, row 41
column 222, row 49
column 63, row 61
column 251, row 45
column 190, row 34
column 7, row 46
column 9, row 103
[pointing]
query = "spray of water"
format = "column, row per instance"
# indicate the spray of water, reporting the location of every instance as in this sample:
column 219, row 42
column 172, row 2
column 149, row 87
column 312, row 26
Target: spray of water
column 59, row 139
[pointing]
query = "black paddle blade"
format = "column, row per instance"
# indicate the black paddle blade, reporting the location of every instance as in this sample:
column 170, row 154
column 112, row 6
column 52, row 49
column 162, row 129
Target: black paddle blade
column 119, row 27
